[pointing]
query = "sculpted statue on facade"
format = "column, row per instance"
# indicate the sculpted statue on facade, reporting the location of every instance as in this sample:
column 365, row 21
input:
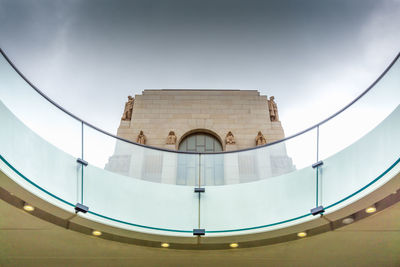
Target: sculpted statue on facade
column 260, row 139
column 273, row 109
column 171, row 139
column 141, row 139
column 229, row 139
column 128, row 109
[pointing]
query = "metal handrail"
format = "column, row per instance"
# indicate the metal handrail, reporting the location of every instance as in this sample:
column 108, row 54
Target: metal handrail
column 186, row 152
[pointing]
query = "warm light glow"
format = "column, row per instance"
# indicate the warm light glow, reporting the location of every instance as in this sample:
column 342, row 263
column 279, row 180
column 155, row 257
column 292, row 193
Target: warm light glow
column 28, row 207
column 165, row 245
column 234, row 245
column 96, row 233
column 302, row 234
column 348, row 220
column 370, row 209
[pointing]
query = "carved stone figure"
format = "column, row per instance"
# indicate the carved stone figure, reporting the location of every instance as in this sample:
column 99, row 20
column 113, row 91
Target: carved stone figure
column 260, row 139
column 128, row 109
column 229, row 139
column 273, row 109
column 171, row 139
column 141, row 139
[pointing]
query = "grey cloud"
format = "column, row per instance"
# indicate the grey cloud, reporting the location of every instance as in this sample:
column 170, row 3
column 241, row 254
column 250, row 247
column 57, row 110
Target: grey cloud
column 86, row 52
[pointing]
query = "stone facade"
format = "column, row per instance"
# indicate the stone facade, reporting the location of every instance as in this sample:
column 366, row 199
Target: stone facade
column 164, row 118
column 243, row 112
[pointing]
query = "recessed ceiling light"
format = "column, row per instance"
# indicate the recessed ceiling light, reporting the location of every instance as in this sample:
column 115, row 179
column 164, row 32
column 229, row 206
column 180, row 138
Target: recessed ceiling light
column 348, row 220
column 233, row 245
column 165, row 245
column 302, row 234
column 371, row 209
column 96, row 233
column 29, row 207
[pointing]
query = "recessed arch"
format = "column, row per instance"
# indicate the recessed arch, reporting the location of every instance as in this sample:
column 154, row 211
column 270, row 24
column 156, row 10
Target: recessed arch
column 213, row 140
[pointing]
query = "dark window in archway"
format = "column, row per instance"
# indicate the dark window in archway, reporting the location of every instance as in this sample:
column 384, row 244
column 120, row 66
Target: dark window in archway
column 212, row 168
column 200, row 142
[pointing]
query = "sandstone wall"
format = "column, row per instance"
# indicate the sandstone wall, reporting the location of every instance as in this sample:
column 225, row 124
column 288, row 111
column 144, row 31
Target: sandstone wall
column 157, row 112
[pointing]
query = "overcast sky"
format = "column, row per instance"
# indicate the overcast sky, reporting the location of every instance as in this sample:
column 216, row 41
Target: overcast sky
column 313, row 56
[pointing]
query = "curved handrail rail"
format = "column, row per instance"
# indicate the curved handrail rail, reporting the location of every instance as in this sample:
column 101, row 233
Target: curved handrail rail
column 186, row 152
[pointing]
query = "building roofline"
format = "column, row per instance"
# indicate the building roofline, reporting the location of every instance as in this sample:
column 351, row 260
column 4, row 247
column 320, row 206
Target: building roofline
column 237, row 90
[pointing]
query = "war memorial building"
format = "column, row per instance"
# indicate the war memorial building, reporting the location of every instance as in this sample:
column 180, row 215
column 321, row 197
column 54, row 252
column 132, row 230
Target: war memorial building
column 204, row 121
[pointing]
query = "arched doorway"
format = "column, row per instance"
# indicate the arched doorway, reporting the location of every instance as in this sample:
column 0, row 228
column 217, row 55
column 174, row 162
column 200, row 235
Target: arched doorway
column 212, row 169
column 200, row 142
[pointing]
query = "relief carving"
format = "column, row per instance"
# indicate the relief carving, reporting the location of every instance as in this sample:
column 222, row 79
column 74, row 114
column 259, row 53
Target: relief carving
column 260, row 139
column 171, row 139
column 273, row 109
column 128, row 109
column 229, row 139
column 141, row 139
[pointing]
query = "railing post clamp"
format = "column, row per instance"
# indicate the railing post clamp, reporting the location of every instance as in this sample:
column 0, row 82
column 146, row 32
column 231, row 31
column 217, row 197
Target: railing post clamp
column 317, row 210
column 81, row 208
column 199, row 232
column 318, row 164
column 83, row 162
column 199, row 190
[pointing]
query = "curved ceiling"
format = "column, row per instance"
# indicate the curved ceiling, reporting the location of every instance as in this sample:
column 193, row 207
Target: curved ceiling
column 26, row 240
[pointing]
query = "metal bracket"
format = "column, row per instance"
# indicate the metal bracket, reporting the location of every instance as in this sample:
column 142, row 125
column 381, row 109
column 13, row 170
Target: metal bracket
column 81, row 208
column 199, row 232
column 83, row 162
column 199, row 190
column 317, row 210
column 317, row 164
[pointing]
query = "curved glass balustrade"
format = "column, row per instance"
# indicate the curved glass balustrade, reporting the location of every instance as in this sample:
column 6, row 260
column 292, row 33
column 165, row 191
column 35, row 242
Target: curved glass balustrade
column 150, row 189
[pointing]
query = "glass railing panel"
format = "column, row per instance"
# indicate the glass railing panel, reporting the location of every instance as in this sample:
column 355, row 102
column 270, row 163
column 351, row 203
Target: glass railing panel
column 37, row 165
column 98, row 148
column 37, row 113
column 130, row 185
column 130, row 202
column 262, row 205
column 360, row 144
column 139, row 162
column 361, row 167
column 187, row 172
column 278, row 186
column 259, row 164
column 302, row 149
